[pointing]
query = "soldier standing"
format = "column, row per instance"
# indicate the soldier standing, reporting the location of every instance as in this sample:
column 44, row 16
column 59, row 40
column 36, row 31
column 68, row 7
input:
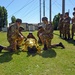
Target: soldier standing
column 66, row 26
column 60, row 26
column 73, row 25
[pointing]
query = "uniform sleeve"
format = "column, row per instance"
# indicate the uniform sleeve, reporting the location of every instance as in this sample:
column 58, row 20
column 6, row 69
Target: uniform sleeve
column 49, row 30
column 15, row 30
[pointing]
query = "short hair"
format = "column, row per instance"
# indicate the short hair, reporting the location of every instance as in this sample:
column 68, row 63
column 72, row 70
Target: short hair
column 19, row 20
column 44, row 19
column 73, row 13
column 74, row 8
column 67, row 13
column 61, row 15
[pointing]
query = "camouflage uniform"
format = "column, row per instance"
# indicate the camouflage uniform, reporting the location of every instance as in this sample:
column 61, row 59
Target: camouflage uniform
column 47, row 35
column 12, row 37
column 73, row 26
column 60, row 26
column 66, row 28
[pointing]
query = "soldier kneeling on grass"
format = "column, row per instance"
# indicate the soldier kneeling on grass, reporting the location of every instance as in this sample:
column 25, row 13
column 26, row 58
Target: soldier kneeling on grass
column 47, row 35
column 14, row 31
column 31, row 44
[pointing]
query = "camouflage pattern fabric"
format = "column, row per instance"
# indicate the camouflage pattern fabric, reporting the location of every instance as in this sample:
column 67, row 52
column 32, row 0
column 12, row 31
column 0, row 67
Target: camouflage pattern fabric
column 66, row 27
column 12, row 36
column 73, row 26
column 47, row 35
column 60, row 26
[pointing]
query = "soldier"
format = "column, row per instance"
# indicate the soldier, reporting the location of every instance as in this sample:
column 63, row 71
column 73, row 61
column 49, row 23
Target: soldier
column 73, row 25
column 12, row 35
column 47, row 35
column 66, row 26
column 60, row 26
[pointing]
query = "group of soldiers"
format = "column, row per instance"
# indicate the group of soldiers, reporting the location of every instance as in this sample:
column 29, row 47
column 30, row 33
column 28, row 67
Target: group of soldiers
column 16, row 39
column 66, row 30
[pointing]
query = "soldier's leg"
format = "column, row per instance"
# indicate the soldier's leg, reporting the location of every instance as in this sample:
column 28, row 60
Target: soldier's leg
column 57, row 45
column 39, row 40
column 43, row 40
column 48, row 43
column 60, row 33
column 1, row 48
column 12, row 47
column 19, row 42
column 68, row 33
column 65, row 34
column 45, row 46
column 72, row 33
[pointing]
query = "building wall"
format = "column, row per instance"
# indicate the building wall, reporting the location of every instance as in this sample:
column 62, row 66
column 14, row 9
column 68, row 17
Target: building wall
column 24, row 25
column 29, row 27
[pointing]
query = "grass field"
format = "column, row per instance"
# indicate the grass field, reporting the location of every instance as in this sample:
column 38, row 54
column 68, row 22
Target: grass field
column 56, row 61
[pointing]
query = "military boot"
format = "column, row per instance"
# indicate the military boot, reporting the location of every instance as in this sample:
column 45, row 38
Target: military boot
column 45, row 47
column 1, row 47
column 60, row 44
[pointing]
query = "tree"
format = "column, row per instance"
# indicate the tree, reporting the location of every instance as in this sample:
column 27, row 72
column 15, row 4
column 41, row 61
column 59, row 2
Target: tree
column 56, row 21
column 13, row 19
column 3, row 17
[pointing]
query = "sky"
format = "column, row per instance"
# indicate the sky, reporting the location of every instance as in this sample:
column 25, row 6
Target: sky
column 28, row 10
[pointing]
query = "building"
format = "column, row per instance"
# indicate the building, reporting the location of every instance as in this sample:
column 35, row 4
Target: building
column 27, row 27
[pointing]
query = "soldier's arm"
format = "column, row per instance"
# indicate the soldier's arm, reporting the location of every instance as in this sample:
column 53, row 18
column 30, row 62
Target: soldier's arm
column 50, row 30
column 14, row 29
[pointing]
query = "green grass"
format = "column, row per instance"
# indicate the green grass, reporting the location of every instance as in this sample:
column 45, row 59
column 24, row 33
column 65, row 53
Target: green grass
column 56, row 61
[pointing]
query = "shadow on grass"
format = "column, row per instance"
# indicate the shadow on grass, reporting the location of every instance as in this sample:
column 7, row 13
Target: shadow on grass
column 6, row 56
column 46, row 54
column 71, row 41
column 49, row 53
